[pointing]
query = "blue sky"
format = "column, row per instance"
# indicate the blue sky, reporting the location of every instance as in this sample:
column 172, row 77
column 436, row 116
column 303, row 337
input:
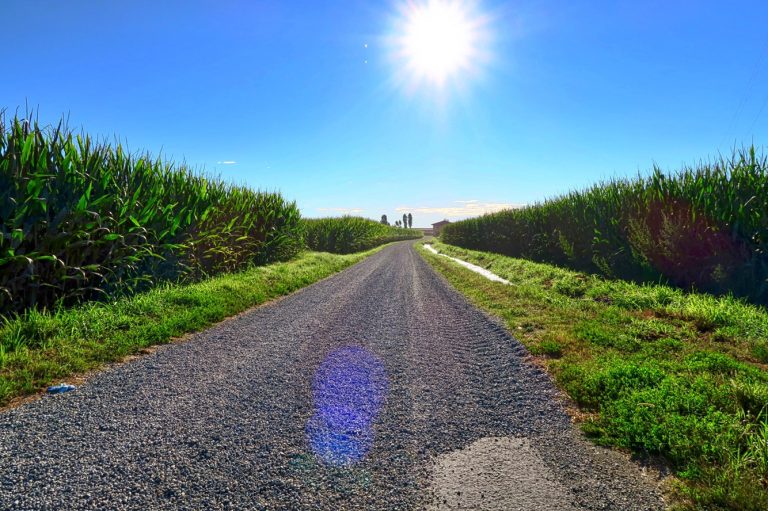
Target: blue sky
column 564, row 93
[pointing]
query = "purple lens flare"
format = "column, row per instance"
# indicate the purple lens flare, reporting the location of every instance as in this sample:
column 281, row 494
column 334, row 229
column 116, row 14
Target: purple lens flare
column 348, row 391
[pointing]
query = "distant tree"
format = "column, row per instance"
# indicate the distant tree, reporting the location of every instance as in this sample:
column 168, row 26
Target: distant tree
column 405, row 220
column 384, row 220
column 397, row 223
column 410, row 221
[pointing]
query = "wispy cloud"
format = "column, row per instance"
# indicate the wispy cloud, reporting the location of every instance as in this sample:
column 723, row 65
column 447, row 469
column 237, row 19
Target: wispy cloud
column 226, row 162
column 342, row 211
column 461, row 208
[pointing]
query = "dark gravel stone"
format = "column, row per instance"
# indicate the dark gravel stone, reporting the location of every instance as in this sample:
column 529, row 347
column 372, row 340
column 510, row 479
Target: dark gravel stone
column 340, row 396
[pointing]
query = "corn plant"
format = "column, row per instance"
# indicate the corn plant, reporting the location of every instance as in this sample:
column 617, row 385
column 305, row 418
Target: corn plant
column 347, row 234
column 704, row 227
column 84, row 220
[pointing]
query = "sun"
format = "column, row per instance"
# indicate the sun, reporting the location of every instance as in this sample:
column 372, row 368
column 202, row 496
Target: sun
column 439, row 40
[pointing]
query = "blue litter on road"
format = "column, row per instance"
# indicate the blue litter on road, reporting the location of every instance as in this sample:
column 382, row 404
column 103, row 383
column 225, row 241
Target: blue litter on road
column 60, row 388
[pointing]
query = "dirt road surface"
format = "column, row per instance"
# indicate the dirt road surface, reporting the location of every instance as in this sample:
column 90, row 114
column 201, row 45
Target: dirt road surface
column 377, row 388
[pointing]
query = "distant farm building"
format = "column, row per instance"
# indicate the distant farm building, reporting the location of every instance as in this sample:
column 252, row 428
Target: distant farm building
column 438, row 226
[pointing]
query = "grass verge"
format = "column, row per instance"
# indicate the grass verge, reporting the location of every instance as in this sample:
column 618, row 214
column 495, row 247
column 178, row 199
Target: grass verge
column 38, row 348
column 655, row 370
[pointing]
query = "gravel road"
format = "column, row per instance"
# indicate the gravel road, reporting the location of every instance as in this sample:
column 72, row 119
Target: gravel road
column 377, row 388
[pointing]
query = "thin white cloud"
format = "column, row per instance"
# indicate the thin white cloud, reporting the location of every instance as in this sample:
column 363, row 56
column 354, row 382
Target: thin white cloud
column 226, row 162
column 343, row 211
column 465, row 208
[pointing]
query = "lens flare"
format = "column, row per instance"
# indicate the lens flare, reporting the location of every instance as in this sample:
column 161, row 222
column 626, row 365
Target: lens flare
column 349, row 389
column 440, row 40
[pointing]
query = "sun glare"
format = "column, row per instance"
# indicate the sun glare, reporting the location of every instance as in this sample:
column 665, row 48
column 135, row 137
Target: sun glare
column 439, row 40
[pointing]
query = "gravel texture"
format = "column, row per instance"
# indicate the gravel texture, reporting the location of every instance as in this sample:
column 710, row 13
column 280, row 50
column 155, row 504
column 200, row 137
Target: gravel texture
column 353, row 393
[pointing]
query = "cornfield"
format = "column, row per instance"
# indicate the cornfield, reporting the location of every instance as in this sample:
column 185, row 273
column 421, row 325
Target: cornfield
column 704, row 227
column 85, row 220
column 347, row 234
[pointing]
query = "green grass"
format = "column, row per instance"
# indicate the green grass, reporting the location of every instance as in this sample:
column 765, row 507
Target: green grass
column 39, row 348
column 348, row 234
column 654, row 370
column 703, row 228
